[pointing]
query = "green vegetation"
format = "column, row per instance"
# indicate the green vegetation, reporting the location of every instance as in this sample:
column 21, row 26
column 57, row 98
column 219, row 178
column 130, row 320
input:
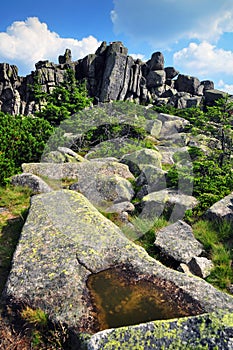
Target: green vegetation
column 64, row 100
column 14, row 203
column 217, row 241
column 212, row 167
column 22, row 140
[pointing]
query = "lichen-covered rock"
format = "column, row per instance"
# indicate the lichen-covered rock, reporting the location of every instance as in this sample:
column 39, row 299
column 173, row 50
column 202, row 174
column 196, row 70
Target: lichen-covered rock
column 222, row 210
column 32, row 181
column 178, row 242
column 104, row 190
column 153, row 178
column 65, row 240
column 138, row 159
column 198, row 332
column 77, row 170
column 170, row 200
column 62, row 155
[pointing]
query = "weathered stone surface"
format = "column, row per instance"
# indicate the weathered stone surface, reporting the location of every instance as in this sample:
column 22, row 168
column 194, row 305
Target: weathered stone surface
column 212, row 95
column 156, row 78
column 62, row 155
column 188, row 84
column 136, row 160
column 199, row 332
column 200, row 266
column 75, row 170
column 61, row 244
column 169, row 200
column 169, row 154
column 153, row 177
column 156, row 62
column 32, row 181
column 222, row 210
column 104, row 190
column 110, row 75
column 178, row 242
column 171, row 72
column 103, row 183
column 65, row 240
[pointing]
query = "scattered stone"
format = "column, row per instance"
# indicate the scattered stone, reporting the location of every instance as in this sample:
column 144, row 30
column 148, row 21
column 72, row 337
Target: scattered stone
column 153, row 178
column 178, row 242
column 32, row 181
column 222, row 210
column 62, row 155
column 169, row 200
column 200, row 266
column 138, row 159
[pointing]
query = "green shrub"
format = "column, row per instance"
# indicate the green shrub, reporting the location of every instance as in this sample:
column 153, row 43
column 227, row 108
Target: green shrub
column 22, row 140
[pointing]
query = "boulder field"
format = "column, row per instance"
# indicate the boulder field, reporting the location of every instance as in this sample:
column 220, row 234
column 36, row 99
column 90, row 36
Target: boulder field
column 68, row 241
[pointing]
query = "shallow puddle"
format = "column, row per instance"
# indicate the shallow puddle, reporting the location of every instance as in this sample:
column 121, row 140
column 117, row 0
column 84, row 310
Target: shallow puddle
column 120, row 301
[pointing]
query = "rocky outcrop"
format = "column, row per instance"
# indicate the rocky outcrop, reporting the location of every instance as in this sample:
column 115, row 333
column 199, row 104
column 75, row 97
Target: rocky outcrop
column 111, row 74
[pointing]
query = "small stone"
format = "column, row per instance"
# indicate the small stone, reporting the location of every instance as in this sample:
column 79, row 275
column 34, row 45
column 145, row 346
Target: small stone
column 200, row 266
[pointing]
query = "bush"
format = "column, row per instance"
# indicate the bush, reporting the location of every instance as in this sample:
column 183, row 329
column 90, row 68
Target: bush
column 22, row 140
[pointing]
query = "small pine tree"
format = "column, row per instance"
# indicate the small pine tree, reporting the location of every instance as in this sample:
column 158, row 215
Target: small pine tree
column 64, row 100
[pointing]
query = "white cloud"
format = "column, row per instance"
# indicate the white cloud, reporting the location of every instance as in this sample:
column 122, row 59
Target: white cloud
column 138, row 56
column 27, row 42
column 164, row 22
column 225, row 87
column 204, row 59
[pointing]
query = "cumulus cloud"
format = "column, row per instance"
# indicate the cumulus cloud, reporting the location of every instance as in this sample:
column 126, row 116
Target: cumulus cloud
column 138, row 56
column 204, row 59
column 164, row 22
column 27, row 42
column 221, row 85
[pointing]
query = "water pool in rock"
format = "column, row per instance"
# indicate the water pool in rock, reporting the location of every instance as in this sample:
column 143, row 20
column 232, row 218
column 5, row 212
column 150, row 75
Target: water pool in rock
column 120, row 299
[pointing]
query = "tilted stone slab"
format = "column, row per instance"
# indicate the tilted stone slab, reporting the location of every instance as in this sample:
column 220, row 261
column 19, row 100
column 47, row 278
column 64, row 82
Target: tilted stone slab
column 64, row 240
column 200, row 332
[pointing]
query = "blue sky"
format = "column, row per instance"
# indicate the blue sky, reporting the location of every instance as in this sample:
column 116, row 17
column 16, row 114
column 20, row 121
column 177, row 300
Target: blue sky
column 195, row 36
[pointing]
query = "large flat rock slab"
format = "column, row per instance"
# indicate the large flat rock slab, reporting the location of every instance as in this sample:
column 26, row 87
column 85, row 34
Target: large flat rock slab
column 64, row 241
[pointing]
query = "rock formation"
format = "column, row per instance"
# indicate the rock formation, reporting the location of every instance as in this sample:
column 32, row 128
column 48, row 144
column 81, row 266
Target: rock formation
column 111, row 74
